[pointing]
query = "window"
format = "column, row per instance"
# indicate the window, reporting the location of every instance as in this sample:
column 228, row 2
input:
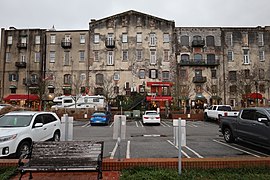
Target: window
column 261, row 74
column 152, row 39
column 110, row 39
column 52, row 56
column 184, row 40
column 110, row 60
column 229, row 39
column 184, row 58
column 124, row 55
column 82, row 77
column 116, row 76
column 198, row 58
column 213, row 73
column 53, row 38
column 260, row 39
column 210, row 41
column 22, row 57
column 37, row 57
column 153, row 59
column 139, row 38
column 96, row 56
column 198, row 73
column 233, row 89
column 166, row 55
column 23, row 40
column 142, row 74
column 214, row 88
column 13, row 77
column 183, row 73
column 166, row 37
column 262, row 88
column 99, row 79
column 34, row 79
column 211, row 58
column 247, row 73
column 247, row 88
column 197, row 38
column 230, row 55
column 165, row 75
column 37, row 39
column 66, row 58
column 246, row 56
column 124, row 38
column 139, row 55
column 245, row 38
column 153, row 73
column 116, row 89
column 82, row 38
column 232, row 76
column 96, row 38
column 81, row 53
column 261, row 55
column 9, row 40
column 67, row 79
column 8, row 56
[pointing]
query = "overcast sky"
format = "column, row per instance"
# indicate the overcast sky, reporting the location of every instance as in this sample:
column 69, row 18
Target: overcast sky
column 76, row 14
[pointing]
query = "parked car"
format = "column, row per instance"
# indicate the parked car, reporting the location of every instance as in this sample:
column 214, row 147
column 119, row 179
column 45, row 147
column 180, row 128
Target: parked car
column 252, row 125
column 5, row 105
column 216, row 111
column 151, row 117
column 18, row 129
column 100, row 117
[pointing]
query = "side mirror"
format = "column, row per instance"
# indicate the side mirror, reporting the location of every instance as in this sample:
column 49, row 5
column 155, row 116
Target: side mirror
column 38, row 125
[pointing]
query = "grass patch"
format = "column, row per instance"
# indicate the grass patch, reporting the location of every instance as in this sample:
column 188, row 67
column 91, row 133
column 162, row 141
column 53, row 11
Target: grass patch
column 146, row 173
column 7, row 172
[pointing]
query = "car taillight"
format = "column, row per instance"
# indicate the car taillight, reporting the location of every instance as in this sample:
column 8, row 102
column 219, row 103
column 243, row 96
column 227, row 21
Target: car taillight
column 104, row 116
column 146, row 117
column 158, row 117
column 225, row 114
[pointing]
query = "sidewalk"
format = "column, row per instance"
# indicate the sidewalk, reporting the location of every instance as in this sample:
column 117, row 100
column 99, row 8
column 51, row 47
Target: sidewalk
column 107, row 175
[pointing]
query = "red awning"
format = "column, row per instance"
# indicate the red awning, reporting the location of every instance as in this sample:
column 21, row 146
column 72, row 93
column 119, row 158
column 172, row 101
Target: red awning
column 158, row 98
column 16, row 97
column 149, row 84
column 253, row 96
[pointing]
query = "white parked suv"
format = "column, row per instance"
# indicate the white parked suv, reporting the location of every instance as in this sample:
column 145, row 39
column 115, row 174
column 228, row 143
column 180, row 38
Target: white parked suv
column 18, row 129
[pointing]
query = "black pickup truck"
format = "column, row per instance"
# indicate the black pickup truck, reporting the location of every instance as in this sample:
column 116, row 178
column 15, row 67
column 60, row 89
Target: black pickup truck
column 252, row 125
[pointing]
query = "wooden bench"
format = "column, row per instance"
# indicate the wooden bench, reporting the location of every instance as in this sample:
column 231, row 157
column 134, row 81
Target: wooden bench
column 63, row 156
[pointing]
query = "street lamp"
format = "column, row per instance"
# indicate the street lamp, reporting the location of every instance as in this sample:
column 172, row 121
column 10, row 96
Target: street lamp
column 256, row 86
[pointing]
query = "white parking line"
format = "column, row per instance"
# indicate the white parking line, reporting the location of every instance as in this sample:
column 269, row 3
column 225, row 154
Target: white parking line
column 197, row 154
column 236, row 148
column 162, row 124
column 136, row 124
column 141, row 123
column 128, row 150
column 166, row 124
column 112, row 124
column 86, row 124
column 183, row 152
column 114, row 150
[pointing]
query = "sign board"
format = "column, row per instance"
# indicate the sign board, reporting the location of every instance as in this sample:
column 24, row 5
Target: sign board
column 66, row 128
column 176, row 131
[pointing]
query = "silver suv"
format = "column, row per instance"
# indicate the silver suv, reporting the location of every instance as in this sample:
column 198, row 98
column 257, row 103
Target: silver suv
column 19, row 129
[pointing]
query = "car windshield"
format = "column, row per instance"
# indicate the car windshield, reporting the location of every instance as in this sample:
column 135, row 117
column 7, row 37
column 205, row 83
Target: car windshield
column 15, row 120
column 151, row 113
column 99, row 114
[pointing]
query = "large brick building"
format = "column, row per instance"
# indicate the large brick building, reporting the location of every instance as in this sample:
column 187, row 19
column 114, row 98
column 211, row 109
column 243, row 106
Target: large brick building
column 136, row 52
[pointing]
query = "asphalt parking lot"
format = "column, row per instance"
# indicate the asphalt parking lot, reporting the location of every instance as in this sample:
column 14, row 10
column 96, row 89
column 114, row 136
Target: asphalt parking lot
column 203, row 140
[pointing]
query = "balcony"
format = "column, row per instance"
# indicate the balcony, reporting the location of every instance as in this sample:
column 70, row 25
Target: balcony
column 198, row 43
column 66, row 44
column 22, row 45
column 202, row 62
column 199, row 79
column 20, row 64
column 110, row 43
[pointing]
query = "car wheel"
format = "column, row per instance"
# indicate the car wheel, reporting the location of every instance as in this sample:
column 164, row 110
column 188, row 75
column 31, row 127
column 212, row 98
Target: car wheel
column 206, row 117
column 23, row 148
column 56, row 136
column 228, row 136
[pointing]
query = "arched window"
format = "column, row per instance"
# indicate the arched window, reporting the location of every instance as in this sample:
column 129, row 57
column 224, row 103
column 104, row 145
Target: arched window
column 99, row 79
column 184, row 58
column 67, row 79
column 210, row 41
column 198, row 58
column 184, row 40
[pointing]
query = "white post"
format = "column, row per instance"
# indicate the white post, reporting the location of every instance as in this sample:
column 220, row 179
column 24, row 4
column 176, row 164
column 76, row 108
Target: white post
column 179, row 146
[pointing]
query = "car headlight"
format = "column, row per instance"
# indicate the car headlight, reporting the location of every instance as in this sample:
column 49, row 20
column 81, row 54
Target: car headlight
column 7, row 138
